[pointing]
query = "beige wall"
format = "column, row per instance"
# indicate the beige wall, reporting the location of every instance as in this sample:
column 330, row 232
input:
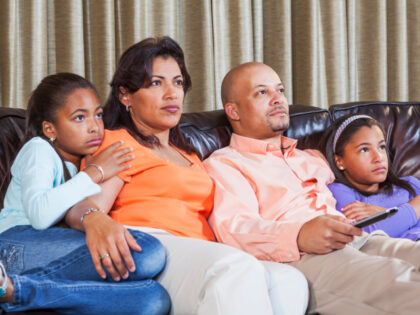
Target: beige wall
column 326, row 51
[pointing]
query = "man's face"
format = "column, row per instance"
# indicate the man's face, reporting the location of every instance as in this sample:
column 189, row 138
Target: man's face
column 260, row 102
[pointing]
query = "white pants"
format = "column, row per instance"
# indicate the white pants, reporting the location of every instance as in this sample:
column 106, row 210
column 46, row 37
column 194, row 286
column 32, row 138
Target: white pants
column 209, row 278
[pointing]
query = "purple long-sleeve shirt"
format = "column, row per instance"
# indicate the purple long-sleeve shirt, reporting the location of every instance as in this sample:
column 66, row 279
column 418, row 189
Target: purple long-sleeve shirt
column 403, row 224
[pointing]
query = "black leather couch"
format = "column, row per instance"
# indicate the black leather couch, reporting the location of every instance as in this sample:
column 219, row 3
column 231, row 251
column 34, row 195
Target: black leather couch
column 209, row 131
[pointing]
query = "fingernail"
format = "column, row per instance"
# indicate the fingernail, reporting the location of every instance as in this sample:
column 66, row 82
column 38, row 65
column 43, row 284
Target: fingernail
column 117, row 279
column 125, row 276
column 132, row 268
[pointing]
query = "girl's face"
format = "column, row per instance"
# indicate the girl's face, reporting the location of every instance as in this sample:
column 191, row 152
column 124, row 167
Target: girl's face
column 78, row 129
column 365, row 159
column 158, row 107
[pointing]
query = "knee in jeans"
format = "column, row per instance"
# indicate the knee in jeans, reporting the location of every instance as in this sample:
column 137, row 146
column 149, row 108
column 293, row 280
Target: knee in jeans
column 157, row 302
column 151, row 259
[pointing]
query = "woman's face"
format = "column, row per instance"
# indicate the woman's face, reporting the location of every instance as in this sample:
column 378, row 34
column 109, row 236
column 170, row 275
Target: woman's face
column 365, row 160
column 158, row 107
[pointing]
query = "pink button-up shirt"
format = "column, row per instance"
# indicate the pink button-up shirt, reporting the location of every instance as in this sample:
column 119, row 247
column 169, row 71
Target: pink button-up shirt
column 263, row 196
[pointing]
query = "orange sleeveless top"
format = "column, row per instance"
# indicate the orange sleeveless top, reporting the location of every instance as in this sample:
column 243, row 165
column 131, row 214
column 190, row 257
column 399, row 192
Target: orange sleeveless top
column 160, row 194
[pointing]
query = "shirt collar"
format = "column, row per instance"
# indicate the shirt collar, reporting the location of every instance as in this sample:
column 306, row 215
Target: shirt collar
column 241, row 143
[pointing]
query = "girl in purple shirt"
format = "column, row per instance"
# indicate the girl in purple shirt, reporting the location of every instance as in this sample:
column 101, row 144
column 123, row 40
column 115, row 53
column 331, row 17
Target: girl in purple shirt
column 365, row 184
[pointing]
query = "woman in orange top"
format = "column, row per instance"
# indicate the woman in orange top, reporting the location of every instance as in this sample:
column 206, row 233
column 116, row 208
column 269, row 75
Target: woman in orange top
column 167, row 193
column 176, row 197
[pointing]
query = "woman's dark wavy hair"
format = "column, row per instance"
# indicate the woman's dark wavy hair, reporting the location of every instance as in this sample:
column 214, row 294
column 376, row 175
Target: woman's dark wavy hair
column 327, row 149
column 50, row 96
column 134, row 71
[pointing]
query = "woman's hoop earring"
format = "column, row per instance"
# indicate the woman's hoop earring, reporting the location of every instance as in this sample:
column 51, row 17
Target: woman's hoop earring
column 127, row 108
column 52, row 139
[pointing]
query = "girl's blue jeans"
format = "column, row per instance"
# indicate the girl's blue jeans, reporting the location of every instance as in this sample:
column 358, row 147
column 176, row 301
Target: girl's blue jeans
column 53, row 269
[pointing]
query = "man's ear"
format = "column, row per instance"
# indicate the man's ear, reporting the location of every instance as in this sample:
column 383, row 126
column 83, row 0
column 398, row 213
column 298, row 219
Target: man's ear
column 48, row 129
column 339, row 162
column 231, row 111
column 124, row 96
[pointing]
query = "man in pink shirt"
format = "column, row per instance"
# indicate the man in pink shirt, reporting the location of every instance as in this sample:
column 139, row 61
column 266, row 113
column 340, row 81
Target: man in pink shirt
column 272, row 201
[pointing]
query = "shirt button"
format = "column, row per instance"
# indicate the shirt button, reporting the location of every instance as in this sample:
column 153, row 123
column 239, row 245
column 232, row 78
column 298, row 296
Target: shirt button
column 289, row 255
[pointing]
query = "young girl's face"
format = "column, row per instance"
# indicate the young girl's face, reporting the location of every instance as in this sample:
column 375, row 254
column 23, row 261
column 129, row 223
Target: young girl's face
column 78, row 129
column 365, row 159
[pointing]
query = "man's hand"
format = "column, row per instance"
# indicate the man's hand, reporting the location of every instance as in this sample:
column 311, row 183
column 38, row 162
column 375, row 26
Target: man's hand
column 326, row 233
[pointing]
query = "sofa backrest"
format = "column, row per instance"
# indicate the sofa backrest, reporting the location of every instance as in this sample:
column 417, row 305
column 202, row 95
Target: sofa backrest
column 12, row 126
column 209, row 131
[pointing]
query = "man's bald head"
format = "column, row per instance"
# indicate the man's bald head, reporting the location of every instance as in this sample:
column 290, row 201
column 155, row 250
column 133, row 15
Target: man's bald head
column 230, row 81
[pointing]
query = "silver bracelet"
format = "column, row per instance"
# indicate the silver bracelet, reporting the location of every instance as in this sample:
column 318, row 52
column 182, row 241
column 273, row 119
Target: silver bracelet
column 90, row 210
column 99, row 168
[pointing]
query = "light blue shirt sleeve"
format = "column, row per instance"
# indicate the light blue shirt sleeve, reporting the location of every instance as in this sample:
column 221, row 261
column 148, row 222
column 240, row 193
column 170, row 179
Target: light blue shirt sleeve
column 38, row 191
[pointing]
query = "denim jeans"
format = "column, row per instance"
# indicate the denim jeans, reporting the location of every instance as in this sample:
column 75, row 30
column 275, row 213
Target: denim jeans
column 53, row 269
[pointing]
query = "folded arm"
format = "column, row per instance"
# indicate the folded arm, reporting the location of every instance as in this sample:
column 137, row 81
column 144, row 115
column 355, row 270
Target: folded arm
column 352, row 208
